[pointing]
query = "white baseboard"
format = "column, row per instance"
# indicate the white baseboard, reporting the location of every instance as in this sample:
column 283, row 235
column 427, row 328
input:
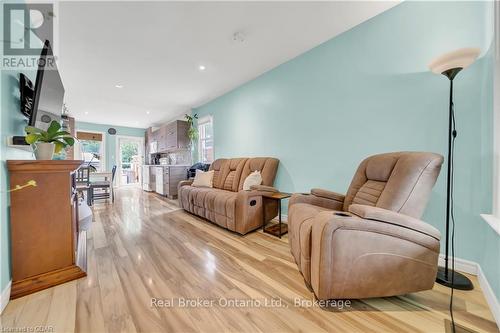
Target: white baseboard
column 489, row 295
column 5, row 297
column 461, row 265
column 474, row 268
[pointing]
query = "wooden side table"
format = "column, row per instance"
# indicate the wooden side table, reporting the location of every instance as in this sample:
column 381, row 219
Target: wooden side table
column 279, row 229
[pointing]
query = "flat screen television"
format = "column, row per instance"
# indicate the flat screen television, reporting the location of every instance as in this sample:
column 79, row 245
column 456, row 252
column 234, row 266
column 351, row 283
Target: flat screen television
column 48, row 96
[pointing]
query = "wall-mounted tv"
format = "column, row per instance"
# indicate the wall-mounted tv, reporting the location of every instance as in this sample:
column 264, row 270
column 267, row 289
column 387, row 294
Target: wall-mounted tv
column 48, row 92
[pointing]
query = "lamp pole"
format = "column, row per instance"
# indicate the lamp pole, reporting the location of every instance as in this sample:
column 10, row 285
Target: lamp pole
column 447, row 276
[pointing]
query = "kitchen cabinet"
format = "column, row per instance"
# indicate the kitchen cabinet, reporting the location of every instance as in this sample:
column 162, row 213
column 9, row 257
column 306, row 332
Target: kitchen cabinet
column 161, row 138
column 167, row 177
column 169, row 137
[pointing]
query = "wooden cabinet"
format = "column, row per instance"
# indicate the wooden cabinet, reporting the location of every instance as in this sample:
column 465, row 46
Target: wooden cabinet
column 161, row 138
column 46, row 246
column 148, row 137
column 169, row 137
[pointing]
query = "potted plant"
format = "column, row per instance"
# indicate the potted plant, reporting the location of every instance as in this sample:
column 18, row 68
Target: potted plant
column 46, row 143
column 192, row 130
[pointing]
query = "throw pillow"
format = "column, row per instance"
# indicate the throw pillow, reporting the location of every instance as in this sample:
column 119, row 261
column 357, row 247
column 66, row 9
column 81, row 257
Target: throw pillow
column 254, row 178
column 203, row 179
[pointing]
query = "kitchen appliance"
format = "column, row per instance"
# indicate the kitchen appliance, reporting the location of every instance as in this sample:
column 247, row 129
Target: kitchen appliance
column 148, row 178
column 154, row 159
column 153, row 147
column 161, row 181
column 164, row 161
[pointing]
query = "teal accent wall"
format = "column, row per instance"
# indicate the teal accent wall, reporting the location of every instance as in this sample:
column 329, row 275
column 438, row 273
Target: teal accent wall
column 110, row 140
column 369, row 91
column 12, row 122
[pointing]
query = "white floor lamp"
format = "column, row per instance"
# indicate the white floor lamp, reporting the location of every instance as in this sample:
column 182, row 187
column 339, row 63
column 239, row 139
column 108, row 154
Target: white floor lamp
column 450, row 64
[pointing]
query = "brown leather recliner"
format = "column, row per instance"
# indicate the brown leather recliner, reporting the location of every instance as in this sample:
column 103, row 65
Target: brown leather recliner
column 226, row 204
column 370, row 242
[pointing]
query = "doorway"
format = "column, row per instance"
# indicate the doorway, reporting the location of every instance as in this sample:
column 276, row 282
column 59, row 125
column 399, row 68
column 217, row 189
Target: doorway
column 130, row 158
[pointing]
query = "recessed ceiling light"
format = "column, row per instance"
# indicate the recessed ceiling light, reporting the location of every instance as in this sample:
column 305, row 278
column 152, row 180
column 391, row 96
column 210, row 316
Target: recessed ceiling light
column 119, row 86
column 202, row 67
column 86, row 112
column 239, row 36
column 147, row 112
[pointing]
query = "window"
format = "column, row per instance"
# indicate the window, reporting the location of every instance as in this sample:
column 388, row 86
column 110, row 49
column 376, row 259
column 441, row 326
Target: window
column 494, row 218
column 496, row 113
column 205, row 140
column 91, row 149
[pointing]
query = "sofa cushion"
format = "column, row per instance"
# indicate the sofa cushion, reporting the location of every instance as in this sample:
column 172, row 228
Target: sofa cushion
column 267, row 167
column 217, row 166
column 231, row 174
column 213, row 204
column 221, row 202
column 398, row 181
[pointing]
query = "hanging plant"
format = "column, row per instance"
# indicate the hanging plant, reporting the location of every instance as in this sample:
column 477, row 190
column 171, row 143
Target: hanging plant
column 192, row 130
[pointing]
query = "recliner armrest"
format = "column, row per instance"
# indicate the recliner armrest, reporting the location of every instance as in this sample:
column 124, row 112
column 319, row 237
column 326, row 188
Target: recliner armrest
column 318, row 192
column 263, row 188
column 388, row 216
column 184, row 183
column 315, row 200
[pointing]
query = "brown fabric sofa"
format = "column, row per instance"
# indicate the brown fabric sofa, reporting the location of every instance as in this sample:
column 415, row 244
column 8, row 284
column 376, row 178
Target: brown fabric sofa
column 226, row 204
column 370, row 242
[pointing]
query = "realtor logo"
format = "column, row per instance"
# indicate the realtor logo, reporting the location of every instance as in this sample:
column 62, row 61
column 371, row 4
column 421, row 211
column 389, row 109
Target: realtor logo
column 24, row 26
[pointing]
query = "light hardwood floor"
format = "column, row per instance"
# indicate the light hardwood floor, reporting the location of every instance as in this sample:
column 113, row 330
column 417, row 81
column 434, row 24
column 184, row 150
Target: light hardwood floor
column 143, row 247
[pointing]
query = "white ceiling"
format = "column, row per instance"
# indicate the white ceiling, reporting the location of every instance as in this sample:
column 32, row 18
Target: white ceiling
column 154, row 50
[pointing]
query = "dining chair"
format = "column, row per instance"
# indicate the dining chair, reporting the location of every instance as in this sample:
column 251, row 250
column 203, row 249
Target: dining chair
column 105, row 187
column 83, row 182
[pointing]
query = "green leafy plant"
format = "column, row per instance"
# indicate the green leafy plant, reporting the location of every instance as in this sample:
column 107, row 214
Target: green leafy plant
column 192, row 130
column 61, row 139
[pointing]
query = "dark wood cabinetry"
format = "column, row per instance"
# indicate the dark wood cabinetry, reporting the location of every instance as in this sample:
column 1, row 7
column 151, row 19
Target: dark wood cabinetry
column 46, row 246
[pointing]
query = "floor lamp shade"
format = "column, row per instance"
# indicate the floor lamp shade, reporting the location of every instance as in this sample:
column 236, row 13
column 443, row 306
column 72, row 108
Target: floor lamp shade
column 461, row 58
column 450, row 64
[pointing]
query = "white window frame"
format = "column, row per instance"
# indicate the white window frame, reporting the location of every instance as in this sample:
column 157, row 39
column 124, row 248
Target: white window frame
column 202, row 121
column 494, row 219
column 103, row 157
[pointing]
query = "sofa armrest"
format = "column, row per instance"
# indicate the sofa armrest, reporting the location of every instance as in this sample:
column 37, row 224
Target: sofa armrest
column 388, row 216
column 252, row 210
column 184, row 183
column 318, row 192
column 181, row 184
column 315, row 200
column 264, row 188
